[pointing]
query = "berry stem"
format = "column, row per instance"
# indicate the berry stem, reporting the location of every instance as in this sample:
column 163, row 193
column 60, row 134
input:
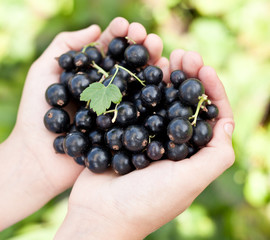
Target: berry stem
column 116, row 71
column 202, row 99
column 131, row 40
column 101, row 70
column 131, row 73
column 113, row 111
column 87, row 104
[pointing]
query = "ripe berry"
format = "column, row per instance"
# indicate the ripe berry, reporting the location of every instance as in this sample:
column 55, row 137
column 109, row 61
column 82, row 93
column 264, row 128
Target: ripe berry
column 135, row 138
column 113, row 138
column 211, row 113
column 57, row 95
column 96, row 137
column 178, row 109
column 56, row 120
column 80, row 160
column 81, row 60
column 136, row 55
column 93, row 75
column 190, row 91
column 202, row 133
column 191, row 150
column 155, row 150
column 75, row 144
column 65, row 61
column 121, row 163
column 153, row 75
column 83, row 119
column 154, row 123
column 176, row 152
column 179, row 130
column 170, row 94
column 117, row 47
column 98, row 159
column 140, row 160
column 140, row 107
column 65, row 77
column 77, row 84
column 126, row 113
column 104, row 122
column 108, row 63
column 150, row 95
column 94, row 55
column 177, row 77
column 58, row 144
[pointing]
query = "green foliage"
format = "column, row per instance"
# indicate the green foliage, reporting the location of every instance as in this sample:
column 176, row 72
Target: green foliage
column 232, row 36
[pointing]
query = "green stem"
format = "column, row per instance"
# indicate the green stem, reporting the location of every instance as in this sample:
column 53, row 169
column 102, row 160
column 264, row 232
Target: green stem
column 202, row 99
column 116, row 71
column 101, row 70
column 131, row 40
column 113, row 111
column 87, row 104
column 132, row 74
column 150, row 138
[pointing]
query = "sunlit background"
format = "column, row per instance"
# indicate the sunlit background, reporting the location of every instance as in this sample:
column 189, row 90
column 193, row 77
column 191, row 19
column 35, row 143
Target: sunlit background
column 233, row 36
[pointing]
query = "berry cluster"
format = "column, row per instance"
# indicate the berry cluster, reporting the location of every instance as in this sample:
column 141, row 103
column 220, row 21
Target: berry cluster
column 126, row 116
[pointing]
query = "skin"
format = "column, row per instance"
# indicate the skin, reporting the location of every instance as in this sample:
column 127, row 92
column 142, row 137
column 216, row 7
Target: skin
column 102, row 205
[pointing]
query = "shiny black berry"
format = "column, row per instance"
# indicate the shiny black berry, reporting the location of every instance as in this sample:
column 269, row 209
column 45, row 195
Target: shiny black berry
column 170, row 94
column 96, row 137
column 136, row 55
column 155, row 150
column 80, row 160
column 113, row 138
column 57, row 120
column 135, row 138
column 202, row 133
column 57, row 95
column 94, row 55
column 191, row 150
column 151, row 95
column 121, row 163
column 153, row 75
column 211, row 112
column 75, row 144
column 140, row 107
column 175, row 151
column 66, row 76
column 58, row 144
column 178, row 109
column 154, row 123
column 98, row 159
column 177, row 77
column 83, row 119
column 81, row 60
column 77, row 84
column 93, row 75
column 104, row 122
column 108, row 63
column 190, row 91
column 179, row 130
column 140, row 160
column 65, row 61
column 117, row 47
column 126, row 113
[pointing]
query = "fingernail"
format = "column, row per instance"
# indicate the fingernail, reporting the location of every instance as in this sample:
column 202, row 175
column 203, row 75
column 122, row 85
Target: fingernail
column 228, row 127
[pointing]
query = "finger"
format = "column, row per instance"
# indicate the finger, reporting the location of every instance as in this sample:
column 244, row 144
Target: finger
column 215, row 90
column 117, row 28
column 164, row 64
column 191, row 63
column 176, row 59
column 154, row 45
column 137, row 32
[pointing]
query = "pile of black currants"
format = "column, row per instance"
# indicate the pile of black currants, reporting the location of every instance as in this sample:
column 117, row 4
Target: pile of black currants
column 126, row 116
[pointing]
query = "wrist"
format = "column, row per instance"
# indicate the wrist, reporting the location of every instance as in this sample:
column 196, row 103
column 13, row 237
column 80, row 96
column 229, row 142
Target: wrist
column 83, row 224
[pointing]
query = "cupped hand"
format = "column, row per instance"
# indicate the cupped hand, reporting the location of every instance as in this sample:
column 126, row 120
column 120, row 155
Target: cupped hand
column 140, row 202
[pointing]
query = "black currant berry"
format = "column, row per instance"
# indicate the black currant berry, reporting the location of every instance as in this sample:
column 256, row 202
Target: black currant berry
column 162, row 112
column 190, row 91
column 75, row 144
column 58, row 144
column 65, row 61
column 121, row 73
column 176, row 152
column 81, row 60
column 94, row 55
column 135, row 138
column 191, row 150
column 177, row 77
column 202, row 133
column 140, row 107
column 93, row 75
column 77, row 84
column 140, row 160
column 153, row 75
column 150, row 95
column 121, row 163
column 80, row 160
column 108, row 63
column 57, row 120
column 136, row 55
column 179, row 130
column 178, row 109
column 170, row 94
column 65, row 77
column 104, row 122
column 83, row 119
column 113, row 138
column 126, row 113
column 57, row 95
column 210, row 113
column 154, row 123
column 117, row 81
column 98, row 159
column 96, row 137
column 155, row 150
column 117, row 47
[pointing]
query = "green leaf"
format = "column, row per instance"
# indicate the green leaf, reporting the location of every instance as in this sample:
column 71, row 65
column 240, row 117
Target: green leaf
column 101, row 97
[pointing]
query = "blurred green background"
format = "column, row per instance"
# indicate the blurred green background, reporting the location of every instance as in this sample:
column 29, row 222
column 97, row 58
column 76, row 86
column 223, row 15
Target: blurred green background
column 233, row 36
